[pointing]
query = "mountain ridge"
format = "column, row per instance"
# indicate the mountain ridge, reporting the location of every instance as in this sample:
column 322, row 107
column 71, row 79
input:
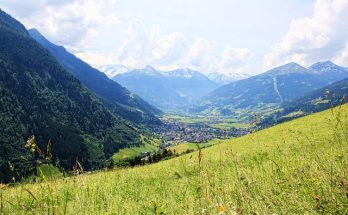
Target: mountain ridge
column 169, row 90
column 268, row 89
column 124, row 103
column 315, row 101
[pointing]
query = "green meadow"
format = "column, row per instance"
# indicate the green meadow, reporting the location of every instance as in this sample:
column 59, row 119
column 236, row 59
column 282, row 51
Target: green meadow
column 184, row 147
column 298, row 167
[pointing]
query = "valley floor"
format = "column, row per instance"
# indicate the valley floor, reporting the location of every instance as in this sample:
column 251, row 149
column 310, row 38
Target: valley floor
column 298, row 167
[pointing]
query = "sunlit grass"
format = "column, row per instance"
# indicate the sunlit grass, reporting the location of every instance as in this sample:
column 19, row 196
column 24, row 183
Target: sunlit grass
column 127, row 153
column 298, row 167
column 184, row 147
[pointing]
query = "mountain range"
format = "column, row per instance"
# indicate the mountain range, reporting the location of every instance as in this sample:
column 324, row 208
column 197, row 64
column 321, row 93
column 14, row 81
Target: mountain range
column 262, row 92
column 315, row 101
column 223, row 79
column 121, row 101
column 170, row 91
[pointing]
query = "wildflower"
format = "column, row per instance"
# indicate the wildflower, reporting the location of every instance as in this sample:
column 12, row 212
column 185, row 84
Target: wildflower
column 204, row 211
column 221, row 209
column 31, row 145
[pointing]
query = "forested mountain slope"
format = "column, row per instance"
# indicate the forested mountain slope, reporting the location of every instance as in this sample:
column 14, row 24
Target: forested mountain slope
column 318, row 100
column 38, row 96
column 122, row 102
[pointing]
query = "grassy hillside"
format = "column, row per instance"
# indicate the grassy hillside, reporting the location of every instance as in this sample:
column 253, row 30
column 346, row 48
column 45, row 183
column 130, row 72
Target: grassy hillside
column 298, row 167
column 190, row 147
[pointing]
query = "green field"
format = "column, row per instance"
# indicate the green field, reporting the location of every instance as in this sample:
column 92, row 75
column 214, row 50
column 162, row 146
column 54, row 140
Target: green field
column 132, row 152
column 219, row 122
column 298, row 167
column 187, row 119
column 226, row 126
column 147, row 146
column 183, row 147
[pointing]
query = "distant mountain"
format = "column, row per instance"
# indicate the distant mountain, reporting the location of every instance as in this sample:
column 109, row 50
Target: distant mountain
column 315, row 101
column 172, row 90
column 122, row 102
column 330, row 71
column 270, row 89
column 38, row 96
column 112, row 70
column 223, row 79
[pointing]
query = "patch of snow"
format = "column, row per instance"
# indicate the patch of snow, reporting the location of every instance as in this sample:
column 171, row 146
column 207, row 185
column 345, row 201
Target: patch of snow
column 113, row 69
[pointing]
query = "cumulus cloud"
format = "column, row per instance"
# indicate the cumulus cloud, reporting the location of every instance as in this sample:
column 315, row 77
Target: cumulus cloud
column 173, row 50
column 89, row 29
column 66, row 22
column 140, row 47
column 323, row 36
column 236, row 60
column 342, row 57
column 97, row 59
column 200, row 55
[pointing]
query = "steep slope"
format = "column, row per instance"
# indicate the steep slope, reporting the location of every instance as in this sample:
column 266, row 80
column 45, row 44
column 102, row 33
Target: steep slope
column 298, row 167
column 38, row 96
column 312, row 102
column 270, row 89
column 172, row 90
column 117, row 98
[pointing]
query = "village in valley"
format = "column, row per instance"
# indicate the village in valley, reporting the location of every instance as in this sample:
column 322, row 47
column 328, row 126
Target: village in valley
column 174, row 132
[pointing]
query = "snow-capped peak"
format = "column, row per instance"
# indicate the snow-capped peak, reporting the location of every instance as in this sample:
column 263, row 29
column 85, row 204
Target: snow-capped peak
column 221, row 78
column 182, row 73
column 326, row 66
column 113, row 69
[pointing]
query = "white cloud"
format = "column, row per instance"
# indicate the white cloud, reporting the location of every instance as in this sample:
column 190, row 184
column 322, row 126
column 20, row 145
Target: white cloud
column 140, row 48
column 236, row 60
column 89, row 29
column 174, row 50
column 69, row 23
column 323, row 36
column 97, row 59
column 200, row 55
column 135, row 44
column 342, row 57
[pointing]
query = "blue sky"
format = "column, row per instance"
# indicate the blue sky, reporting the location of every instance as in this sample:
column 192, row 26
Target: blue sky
column 225, row 36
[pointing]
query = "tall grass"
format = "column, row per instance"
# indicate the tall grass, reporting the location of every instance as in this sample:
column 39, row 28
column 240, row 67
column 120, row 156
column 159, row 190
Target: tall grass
column 298, row 167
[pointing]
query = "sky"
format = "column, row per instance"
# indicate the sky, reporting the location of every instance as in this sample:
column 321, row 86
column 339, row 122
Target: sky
column 223, row 36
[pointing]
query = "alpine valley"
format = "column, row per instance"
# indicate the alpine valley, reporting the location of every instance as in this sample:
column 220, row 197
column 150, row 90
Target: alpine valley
column 170, row 91
column 110, row 138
